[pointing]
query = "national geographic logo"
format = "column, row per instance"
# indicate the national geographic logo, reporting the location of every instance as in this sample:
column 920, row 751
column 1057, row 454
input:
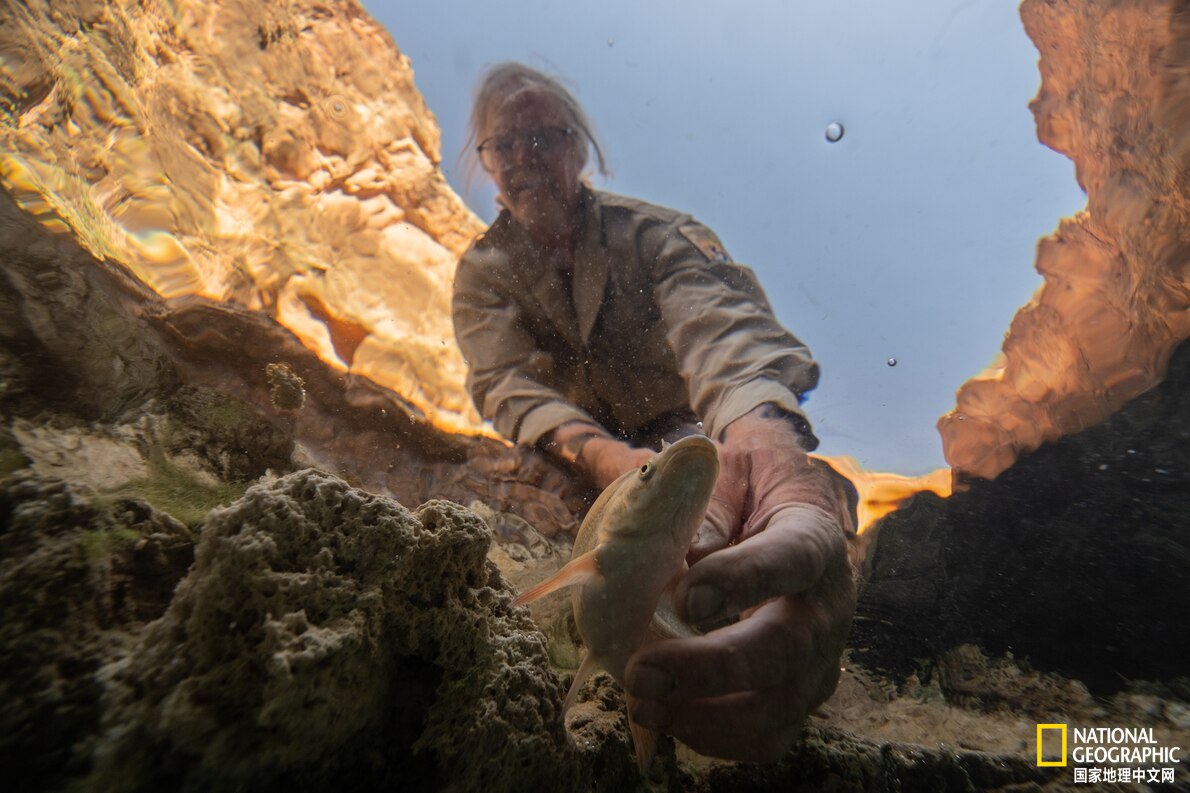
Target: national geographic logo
column 1108, row 754
column 1055, row 746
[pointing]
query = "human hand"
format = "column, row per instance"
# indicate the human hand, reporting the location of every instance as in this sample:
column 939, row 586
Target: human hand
column 605, row 459
column 774, row 550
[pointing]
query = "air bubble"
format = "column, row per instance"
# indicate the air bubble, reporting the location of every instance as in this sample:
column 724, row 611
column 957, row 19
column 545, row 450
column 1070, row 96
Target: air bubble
column 892, row 361
column 834, row 132
column 611, row 42
column 699, row 425
column 336, row 107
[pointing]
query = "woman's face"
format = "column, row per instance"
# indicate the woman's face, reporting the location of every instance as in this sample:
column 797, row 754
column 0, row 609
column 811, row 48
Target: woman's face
column 535, row 158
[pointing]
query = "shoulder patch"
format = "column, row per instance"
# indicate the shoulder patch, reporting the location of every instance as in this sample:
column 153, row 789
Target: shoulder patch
column 707, row 243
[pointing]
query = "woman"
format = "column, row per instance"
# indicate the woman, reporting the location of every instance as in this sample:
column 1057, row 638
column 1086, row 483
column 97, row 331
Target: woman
column 596, row 325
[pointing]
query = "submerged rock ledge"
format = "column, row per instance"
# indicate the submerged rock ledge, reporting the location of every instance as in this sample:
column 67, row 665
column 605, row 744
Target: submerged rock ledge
column 328, row 639
column 323, row 638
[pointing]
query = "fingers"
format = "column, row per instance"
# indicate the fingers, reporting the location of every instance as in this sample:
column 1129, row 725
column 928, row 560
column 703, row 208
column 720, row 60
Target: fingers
column 764, row 651
column 741, row 692
column 722, row 522
column 754, row 726
column 788, row 557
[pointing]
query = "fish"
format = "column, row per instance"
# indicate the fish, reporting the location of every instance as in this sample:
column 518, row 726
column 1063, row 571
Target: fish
column 629, row 552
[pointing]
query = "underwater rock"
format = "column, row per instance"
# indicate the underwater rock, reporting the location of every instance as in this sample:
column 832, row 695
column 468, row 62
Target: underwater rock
column 1077, row 557
column 598, row 726
column 830, row 760
column 184, row 458
column 329, row 638
column 81, row 454
column 322, row 638
column 81, row 339
column 80, row 576
column 235, row 441
column 71, row 339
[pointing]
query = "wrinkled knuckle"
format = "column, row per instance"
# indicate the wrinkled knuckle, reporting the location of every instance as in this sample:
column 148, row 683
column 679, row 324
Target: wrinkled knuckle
column 750, row 581
column 807, row 560
column 782, row 657
column 825, row 538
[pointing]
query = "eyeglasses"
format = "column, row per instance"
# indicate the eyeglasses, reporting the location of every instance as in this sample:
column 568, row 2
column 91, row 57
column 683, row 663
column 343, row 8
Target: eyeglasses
column 498, row 150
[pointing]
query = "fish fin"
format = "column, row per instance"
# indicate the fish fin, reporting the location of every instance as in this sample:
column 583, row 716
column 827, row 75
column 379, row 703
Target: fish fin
column 665, row 627
column 644, row 741
column 576, row 571
column 666, row 624
column 584, row 671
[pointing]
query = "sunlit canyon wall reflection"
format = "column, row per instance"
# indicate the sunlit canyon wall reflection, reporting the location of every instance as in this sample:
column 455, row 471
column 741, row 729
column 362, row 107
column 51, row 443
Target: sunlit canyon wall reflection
column 279, row 156
column 1115, row 98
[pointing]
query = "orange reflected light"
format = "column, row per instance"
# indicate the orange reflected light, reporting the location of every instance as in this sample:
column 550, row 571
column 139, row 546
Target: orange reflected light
column 881, row 493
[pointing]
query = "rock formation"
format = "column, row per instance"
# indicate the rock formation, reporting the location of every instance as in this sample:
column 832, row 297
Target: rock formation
column 322, row 638
column 277, row 157
column 1115, row 98
column 1073, row 558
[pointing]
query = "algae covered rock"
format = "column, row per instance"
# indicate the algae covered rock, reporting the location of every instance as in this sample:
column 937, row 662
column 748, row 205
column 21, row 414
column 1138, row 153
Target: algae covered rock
column 325, row 636
column 79, row 577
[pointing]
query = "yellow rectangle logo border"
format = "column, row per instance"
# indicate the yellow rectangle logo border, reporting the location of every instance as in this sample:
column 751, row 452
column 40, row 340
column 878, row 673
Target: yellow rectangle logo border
column 1044, row 763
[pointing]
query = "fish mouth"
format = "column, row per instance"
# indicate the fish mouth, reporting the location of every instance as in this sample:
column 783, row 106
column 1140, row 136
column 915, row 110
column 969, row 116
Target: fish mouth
column 686, row 451
column 685, row 478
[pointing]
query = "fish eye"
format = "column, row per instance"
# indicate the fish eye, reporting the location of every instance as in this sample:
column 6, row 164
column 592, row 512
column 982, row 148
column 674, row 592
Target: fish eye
column 646, row 471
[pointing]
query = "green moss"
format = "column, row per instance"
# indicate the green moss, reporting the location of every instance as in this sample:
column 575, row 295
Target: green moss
column 101, row 543
column 227, row 413
column 11, row 459
column 177, row 491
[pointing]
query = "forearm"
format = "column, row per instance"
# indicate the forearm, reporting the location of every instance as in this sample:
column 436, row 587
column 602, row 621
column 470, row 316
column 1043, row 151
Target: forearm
column 568, row 442
column 731, row 350
column 773, row 416
column 594, row 451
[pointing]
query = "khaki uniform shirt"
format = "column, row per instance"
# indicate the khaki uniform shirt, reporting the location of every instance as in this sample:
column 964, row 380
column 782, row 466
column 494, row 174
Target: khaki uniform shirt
column 658, row 320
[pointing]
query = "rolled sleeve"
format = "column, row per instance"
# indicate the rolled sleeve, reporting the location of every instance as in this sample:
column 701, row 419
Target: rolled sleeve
column 507, row 375
column 731, row 351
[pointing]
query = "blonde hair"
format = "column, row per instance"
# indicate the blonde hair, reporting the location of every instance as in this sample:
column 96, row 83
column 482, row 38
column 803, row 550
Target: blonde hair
column 501, row 82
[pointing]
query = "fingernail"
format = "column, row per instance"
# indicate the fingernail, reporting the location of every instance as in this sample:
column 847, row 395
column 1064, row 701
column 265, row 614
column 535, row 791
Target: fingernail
column 703, row 602
column 650, row 713
column 650, row 682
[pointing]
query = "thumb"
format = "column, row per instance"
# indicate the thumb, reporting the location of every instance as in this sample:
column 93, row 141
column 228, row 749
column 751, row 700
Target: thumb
column 787, row 557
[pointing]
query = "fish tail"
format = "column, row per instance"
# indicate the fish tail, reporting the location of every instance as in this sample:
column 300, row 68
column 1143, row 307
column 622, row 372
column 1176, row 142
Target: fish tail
column 584, row 671
column 644, row 741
